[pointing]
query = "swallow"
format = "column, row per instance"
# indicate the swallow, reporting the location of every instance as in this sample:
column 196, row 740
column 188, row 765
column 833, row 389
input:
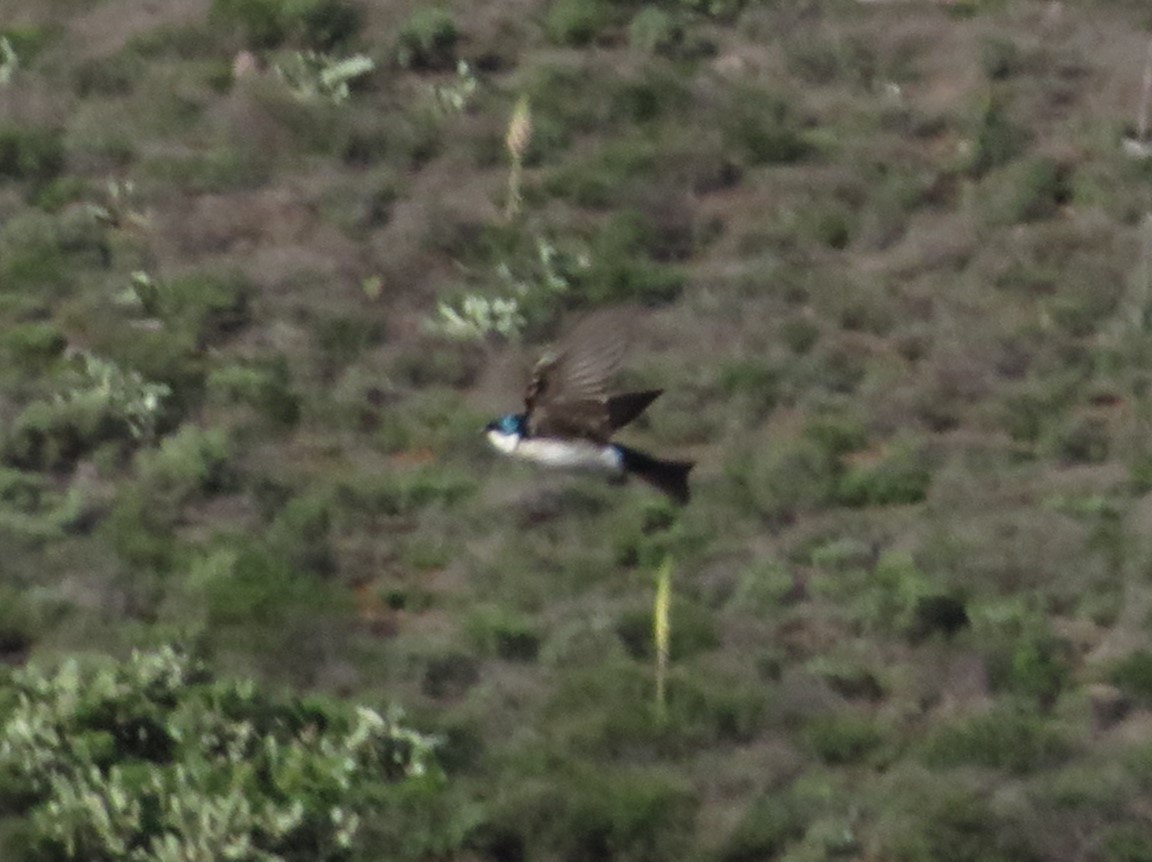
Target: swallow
column 569, row 418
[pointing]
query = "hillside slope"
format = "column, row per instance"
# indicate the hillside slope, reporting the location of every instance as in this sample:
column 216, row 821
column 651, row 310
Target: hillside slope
column 894, row 266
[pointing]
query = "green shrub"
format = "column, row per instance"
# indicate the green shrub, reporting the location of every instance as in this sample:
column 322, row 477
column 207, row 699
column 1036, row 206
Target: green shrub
column 217, row 169
column 764, row 129
column 900, row 478
column 655, row 31
column 756, row 382
column 192, row 461
column 114, row 75
column 1023, row 655
column 404, row 492
column 1125, row 843
column 1080, row 440
column 205, row 306
column 629, row 814
column 18, row 626
column 619, row 269
column 154, row 757
column 1009, row 738
column 34, row 155
column 692, row 631
column 1133, row 674
column 301, row 533
column 428, row 39
column 449, row 674
column 504, row 634
column 942, row 822
column 850, row 60
column 33, row 510
column 577, row 22
column 996, row 139
column 319, row 24
column 265, row 387
column 788, row 478
column 841, row 739
column 1000, row 57
column 722, row 9
column 51, row 435
column 767, row 828
column 1026, row 190
column 42, row 252
column 32, row 346
column 603, row 178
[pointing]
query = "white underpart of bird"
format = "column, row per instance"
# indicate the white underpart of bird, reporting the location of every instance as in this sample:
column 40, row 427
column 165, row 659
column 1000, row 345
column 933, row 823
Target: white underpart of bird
column 563, row 454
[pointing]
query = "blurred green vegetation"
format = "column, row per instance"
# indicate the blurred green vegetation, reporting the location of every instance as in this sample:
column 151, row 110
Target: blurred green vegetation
column 893, row 267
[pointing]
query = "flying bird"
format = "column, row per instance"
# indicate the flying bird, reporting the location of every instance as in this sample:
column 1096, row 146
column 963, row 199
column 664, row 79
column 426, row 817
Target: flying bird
column 569, row 418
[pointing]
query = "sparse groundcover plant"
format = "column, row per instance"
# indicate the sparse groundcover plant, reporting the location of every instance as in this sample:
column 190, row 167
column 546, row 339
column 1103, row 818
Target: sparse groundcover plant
column 154, row 758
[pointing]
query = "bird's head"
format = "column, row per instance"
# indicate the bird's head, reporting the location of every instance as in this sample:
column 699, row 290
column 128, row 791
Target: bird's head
column 504, row 433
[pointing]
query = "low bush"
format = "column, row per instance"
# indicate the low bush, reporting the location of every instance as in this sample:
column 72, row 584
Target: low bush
column 427, row 40
column 205, row 307
column 1010, row 738
column 767, row 828
column 901, row 477
column 504, row 634
column 764, row 130
column 29, row 154
column 32, row 346
column 842, row 738
column 1133, row 674
column 578, row 22
column 265, row 387
column 192, row 461
column 319, row 24
column 655, row 31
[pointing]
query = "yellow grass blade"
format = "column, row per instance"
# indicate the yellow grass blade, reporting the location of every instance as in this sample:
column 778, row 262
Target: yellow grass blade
column 661, row 631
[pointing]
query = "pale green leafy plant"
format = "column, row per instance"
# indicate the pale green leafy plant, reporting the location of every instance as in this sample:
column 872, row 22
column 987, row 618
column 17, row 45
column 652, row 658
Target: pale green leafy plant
column 315, row 76
column 454, row 97
column 124, row 394
column 120, row 207
column 9, row 61
column 523, row 298
column 153, row 759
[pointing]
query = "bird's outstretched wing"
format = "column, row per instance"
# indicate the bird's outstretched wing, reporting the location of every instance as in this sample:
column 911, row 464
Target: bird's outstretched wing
column 566, row 396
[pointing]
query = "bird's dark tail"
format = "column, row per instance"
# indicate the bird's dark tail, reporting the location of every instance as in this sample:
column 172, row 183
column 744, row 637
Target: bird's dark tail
column 671, row 477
